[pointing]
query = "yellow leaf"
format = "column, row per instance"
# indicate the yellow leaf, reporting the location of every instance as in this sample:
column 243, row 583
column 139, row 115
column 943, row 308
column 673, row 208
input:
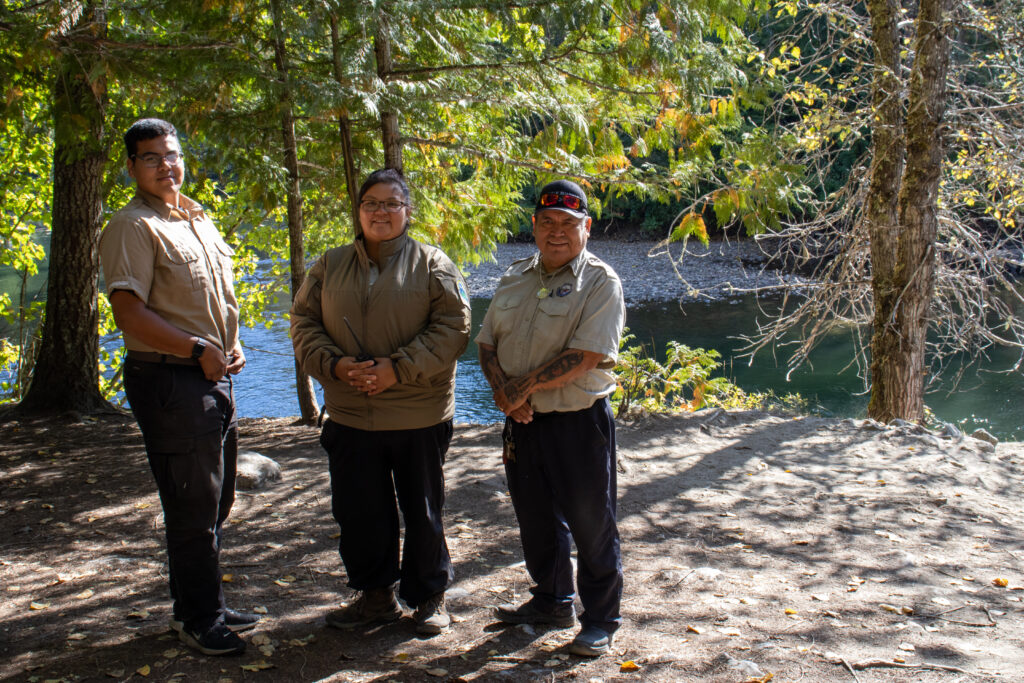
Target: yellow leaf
column 629, row 666
column 76, row 636
column 87, row 593
column 790, row 610
column 139, row 614
column 401, row 657
column 143, row 506
column 437, row 673
column 35, row 606
column 1002, row 583
column 260, row 610
column 143, row 670
column 257, row 666
column 795, row 52
column 695, row 629
column 227, row 578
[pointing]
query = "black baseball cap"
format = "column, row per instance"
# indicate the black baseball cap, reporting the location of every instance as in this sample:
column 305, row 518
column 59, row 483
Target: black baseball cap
column 563, row 195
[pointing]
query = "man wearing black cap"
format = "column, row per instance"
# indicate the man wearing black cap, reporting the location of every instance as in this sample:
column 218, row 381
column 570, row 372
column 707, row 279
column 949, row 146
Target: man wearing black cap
column 547, row 346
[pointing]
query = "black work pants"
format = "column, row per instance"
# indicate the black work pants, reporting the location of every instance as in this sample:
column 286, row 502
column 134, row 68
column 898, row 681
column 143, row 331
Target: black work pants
column 190, row 430
column 369, row 470
column 563, row 488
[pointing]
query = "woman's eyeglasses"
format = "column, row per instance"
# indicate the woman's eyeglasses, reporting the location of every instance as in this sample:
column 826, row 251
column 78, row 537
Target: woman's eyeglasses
column 152, row 159
column 391, row 206
column 568, row 201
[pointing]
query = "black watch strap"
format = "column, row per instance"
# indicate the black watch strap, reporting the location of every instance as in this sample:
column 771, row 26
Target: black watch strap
column 197, row 349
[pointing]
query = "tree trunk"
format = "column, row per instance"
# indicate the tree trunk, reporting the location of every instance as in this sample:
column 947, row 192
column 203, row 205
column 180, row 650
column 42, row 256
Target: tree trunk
column 66, row 375
column 390, row 137
column 308, row 407
column 898, row 340
column 345, row 127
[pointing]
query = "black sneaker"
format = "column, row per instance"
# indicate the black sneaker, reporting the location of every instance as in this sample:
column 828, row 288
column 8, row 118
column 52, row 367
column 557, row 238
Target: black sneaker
column 215, row 640
column 373, row 606
column 235, row 621
column 530, row 612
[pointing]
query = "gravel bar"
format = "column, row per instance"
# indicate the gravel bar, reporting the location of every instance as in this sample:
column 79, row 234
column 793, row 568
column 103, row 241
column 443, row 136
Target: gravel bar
column 651, row 271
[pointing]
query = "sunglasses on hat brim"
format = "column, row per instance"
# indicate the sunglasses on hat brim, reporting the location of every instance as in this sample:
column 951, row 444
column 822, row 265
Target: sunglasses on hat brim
column 560, row 200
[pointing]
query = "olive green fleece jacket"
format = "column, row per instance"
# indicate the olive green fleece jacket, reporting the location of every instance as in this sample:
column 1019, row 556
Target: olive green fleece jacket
column 416, row 312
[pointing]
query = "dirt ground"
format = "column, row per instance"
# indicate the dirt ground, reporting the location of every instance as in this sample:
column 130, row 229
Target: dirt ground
column 756, row 548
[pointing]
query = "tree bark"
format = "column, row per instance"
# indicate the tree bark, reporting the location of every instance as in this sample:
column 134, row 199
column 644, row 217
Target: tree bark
column 308, row 407
column 66, row 374
column 345, row 127
column 901, row 319
column 390, row 137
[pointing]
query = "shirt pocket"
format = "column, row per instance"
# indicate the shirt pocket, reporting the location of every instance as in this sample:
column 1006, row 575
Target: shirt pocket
column 551, row 327
column 185, row 267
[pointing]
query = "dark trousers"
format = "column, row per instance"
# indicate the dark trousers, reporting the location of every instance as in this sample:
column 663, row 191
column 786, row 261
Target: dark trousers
column 189, row 426
column 369, row 470
column 563, row 488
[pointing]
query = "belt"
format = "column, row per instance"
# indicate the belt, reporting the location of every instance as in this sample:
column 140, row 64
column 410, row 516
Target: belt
column 151, row 357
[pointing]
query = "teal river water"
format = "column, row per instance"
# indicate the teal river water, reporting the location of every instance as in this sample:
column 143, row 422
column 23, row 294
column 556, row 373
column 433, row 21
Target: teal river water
column 989, row 399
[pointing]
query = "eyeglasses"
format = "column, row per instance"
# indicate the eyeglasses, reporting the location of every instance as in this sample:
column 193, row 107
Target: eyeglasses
column 569, row 201
column 152, row 159
column 391, row 206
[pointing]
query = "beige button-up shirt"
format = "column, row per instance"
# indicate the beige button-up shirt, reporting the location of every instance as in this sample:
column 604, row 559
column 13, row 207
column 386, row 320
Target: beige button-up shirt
column 582, row 308
column 176, row 261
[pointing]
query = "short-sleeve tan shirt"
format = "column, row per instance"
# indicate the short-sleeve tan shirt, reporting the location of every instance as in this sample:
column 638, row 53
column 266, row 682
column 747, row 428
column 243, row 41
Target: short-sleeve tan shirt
column 583, row 309
column 176, row 261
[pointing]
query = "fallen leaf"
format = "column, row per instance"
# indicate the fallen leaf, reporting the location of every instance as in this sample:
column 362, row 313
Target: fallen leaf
column 87, row 593
column 171, row 653
column 77, row 636
column 143, row 506
column 139, row 614
column 115, row 673
column 36, row 606
column 730, row 631
column 260, row 610
column 906, row 610
column 227, row 578
column 1002, row 583
column 143, row 670
column 889, row 608
column 401, row 657
column 257, row 666
column 629, row 665
column 261, row 639
column 790, row 610
column 820, row 597
column 899, row 660
column 437, row 673
column 552, row 663
column 907, row 647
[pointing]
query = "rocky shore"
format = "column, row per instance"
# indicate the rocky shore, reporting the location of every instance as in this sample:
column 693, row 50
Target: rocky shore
column 652, row 271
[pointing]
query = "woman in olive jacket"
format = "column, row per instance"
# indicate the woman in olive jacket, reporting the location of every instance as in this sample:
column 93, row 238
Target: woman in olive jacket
column 380, row 324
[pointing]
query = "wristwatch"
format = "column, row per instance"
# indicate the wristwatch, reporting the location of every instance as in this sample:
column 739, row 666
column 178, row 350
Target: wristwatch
column 198, row 348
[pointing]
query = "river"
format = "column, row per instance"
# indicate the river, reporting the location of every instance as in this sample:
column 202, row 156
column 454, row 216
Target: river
column 988, row 398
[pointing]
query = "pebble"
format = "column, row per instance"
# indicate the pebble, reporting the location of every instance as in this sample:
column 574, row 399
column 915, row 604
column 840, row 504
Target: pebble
column 652, row 271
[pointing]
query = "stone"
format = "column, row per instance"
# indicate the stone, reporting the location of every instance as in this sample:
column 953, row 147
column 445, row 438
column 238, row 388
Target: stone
column 255, row 471
column 983, row 435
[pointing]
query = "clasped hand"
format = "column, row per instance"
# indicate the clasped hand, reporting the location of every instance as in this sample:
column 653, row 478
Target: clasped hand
column 368, row 376
column 513, row 402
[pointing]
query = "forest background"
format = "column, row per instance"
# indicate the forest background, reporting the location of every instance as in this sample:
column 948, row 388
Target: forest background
column 877, row 143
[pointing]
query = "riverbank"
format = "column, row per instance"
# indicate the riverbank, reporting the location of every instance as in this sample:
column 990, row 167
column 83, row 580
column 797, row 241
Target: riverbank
column 651, row 271
column 804, row 548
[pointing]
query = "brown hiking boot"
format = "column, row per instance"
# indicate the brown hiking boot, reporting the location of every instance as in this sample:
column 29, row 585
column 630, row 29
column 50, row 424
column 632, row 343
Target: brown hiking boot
column 532, row 612
column 373, row 606
column 431, row 616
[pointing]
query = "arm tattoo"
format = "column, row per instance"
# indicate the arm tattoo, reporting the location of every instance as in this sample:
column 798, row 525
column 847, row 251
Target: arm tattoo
column 560, row 365
column 491, row 368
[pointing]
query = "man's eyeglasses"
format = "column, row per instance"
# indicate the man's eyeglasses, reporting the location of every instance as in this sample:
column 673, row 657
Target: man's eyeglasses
column 152, row 159
column 561, row 199
column 391, row 206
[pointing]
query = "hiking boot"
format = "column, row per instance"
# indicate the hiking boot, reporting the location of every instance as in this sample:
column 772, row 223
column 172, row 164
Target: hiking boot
column 530, row 612
column 235, row 621
column 373, row 606
column 214, row 640
column 591, row 641
column 431, row 616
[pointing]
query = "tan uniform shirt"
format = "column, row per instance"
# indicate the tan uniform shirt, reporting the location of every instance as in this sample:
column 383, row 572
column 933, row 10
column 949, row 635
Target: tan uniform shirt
column 583, row 309
column 175, row 261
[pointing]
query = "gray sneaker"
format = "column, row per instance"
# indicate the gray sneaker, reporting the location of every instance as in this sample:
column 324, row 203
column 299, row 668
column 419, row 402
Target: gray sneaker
column 530, row 612
column 373, row 606
column 591, row 641
column 431, row 616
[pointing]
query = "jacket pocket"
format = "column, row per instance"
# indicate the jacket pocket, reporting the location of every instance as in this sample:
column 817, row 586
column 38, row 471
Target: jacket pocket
column 186, row 267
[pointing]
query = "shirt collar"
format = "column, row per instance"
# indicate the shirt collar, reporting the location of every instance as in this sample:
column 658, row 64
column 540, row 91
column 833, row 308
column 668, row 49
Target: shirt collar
column 575, row 265
column 189, row 208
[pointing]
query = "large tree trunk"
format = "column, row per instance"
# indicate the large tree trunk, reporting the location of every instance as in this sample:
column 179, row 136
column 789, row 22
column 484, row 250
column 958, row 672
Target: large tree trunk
column 66, row 375
column 308, row 407
column 390, row 137
column 345, row 127
column 901, row 319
